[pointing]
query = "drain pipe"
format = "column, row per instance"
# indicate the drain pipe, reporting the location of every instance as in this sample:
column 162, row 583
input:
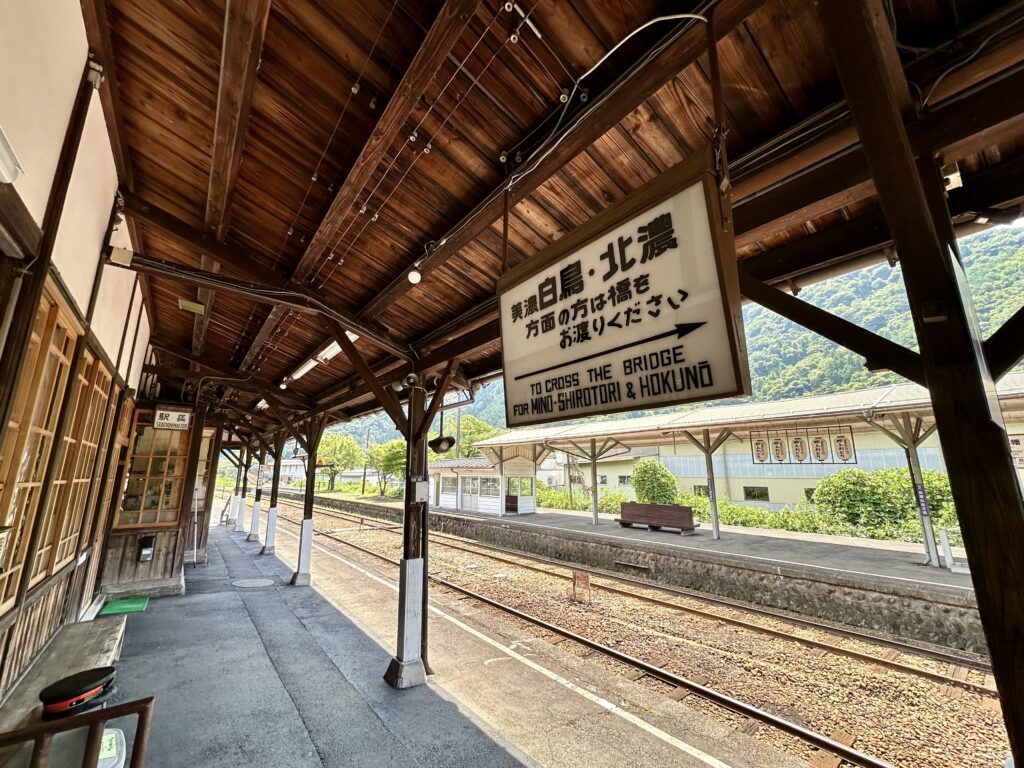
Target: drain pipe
column 12, row 302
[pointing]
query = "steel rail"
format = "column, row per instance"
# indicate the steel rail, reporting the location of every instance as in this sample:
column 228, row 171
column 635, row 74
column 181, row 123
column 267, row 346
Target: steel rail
column 891, row 642
column 847, row 753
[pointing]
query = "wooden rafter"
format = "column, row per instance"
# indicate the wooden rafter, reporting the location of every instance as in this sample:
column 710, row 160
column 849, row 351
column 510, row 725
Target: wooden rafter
column 384, row 396
column 245, row 22
column 432, row 54
column 638, row 85
column 879, row 352
column 247, row 265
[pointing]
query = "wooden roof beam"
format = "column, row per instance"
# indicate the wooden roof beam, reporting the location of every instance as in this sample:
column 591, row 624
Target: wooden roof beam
column 438, row 43
column 248, row 265
column 245, row 22
column 637, row 85
column 432, row 54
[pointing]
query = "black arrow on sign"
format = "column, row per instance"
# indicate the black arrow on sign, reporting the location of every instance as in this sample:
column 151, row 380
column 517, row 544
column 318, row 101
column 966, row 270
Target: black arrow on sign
column 679, row 331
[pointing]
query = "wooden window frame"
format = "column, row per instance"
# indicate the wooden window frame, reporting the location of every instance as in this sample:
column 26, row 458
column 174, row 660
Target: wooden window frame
column 181, row 465
column 28, row 440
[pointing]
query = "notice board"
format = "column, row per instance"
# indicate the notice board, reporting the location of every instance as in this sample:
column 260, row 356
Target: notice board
column 638, row 308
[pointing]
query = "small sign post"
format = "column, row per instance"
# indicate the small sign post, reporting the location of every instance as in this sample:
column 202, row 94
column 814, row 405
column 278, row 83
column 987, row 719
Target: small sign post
column 638, row 308
column 580, row 583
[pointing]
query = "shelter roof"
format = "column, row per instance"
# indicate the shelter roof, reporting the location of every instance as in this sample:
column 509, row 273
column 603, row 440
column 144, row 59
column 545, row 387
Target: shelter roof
column 314, row 152
column 475, row 462
column 841, row 407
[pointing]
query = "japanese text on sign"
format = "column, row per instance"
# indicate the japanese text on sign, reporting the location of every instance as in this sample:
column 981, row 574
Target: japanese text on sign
column 167, row 418
column 635, row 319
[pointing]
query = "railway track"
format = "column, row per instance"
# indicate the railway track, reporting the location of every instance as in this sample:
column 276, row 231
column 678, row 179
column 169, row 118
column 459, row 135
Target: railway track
column 505, row 556
column 820, row 741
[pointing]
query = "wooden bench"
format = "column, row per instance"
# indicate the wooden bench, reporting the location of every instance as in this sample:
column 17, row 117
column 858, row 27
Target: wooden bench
column 76, row 647
column 512, row 504
column 657, row 516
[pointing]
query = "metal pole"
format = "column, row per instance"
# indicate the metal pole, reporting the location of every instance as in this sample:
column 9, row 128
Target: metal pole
column 195, row 528
column 712, row 496
column 917, row 478
column 366, row 460
column 458, row 433
column 593, row 479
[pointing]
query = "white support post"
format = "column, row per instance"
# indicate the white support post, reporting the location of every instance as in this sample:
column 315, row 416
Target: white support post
column 254, row 523
column 593, row 480
column 406, row 669
column 301, row 576
column 268, row 544
column 240, row 516
column 233, row 508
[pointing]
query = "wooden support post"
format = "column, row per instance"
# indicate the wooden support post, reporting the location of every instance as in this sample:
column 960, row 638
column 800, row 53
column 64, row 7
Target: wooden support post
column 187, row 513
column 244, row 469
column 268, row 542
column 314, row 431
column 211, row 490
column 970, row 425
column 257, row 502
column 407, row 667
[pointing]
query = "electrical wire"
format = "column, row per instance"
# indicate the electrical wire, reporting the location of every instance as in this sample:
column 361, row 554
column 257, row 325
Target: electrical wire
column 337, row 124
column 369, row 219
column 964, row 62
column 536, row 158
column 362, row 209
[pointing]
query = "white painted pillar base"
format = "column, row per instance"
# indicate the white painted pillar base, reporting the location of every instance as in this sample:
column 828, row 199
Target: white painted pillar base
column 233, row 509
column 406, row 669
column 254, row 524
column 268, row 544
column 240, row 517
column 301, row 576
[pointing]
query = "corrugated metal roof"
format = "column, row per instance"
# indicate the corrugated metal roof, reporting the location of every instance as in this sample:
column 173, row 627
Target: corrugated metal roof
column 476, row 462
column 848, row 405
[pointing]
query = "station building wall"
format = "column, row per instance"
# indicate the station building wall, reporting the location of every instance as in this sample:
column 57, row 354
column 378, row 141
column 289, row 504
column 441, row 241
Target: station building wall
column 60, row 509
column 786, row 484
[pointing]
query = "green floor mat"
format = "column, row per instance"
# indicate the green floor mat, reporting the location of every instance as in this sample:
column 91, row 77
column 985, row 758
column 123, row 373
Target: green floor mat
column 124, row 605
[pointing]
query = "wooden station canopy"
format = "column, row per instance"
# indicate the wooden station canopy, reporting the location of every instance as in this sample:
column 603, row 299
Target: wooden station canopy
column 286, row 164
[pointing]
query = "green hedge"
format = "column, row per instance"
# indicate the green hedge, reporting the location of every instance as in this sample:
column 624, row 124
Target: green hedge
column 851, row 502
column 653, row 482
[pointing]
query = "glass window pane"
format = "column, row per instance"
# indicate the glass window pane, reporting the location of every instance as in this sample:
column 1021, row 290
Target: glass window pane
column 526, row 486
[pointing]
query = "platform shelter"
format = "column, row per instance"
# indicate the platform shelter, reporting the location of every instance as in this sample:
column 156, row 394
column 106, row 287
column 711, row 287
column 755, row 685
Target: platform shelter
column 245, row 221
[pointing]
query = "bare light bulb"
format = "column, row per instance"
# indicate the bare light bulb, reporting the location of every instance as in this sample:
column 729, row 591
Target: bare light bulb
column 415, row 276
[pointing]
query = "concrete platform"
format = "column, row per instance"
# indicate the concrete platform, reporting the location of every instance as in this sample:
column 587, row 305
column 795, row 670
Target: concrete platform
column 880, row 586
column 292, row 676
column 883, row 560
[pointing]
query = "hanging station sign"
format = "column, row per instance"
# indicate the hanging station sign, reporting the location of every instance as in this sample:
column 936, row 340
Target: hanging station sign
column 638, row 308
column 1017, row 450
column 817, row 445
column 171, row 418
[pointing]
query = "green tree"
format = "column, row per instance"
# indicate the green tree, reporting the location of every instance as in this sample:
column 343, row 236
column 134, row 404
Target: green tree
column 340, row 452
column 653, row 482
column 472, row 430
column 389, row 461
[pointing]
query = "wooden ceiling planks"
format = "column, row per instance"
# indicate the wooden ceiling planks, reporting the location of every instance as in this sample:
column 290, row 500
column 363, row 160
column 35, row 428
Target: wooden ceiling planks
column 776, row 68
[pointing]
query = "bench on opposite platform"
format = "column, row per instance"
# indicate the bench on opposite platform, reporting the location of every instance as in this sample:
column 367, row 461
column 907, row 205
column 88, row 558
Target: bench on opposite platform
column 657, row 516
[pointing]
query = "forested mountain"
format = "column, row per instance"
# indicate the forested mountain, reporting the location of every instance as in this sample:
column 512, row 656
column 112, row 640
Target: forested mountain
column 787, row 360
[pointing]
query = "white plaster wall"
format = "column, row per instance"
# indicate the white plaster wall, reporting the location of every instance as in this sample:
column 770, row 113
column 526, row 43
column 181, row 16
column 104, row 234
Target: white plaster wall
column 133, row 374
column 111, row 307
column 449, row 500
column 43, row 50
column 491, row 505
column 83, row 225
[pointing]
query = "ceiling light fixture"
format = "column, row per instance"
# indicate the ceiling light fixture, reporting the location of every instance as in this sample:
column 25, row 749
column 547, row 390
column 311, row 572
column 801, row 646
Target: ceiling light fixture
column 262, row 405
column 283, row 385
column 303, row 369
column 414, row 275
